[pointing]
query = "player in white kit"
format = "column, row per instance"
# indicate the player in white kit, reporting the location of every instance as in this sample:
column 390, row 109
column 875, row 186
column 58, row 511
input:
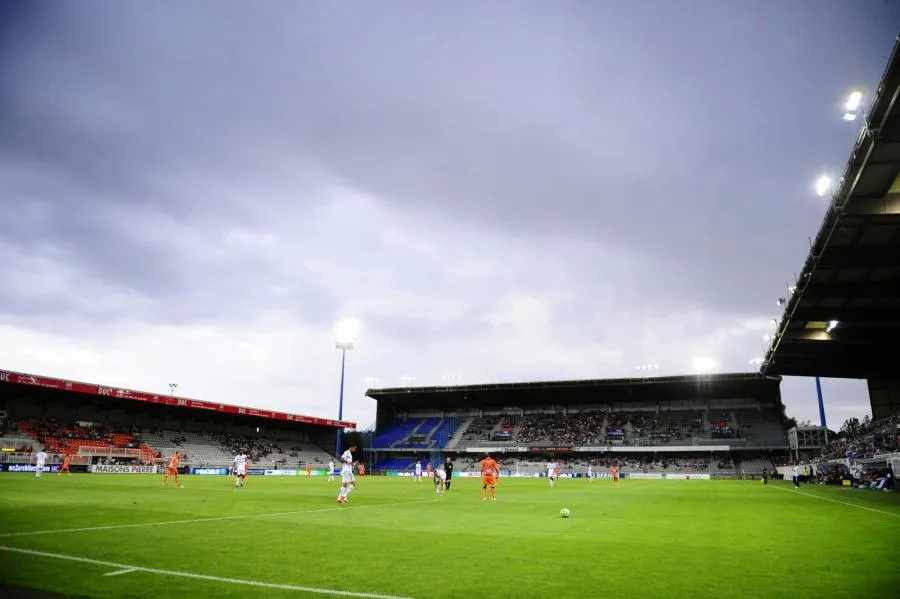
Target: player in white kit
column 418, row 471
column 40, row 462
column 240, row 469
column 440, row 481
column 590, row 474
column 551, row 473
column 348, row 481
column 331, row 471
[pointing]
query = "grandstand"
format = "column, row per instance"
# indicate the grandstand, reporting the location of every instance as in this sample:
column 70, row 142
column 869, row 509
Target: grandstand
column 708, row 424
column 841, row 318
column 96, row 424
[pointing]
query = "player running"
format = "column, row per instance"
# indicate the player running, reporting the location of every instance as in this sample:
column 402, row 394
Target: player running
column 172, row 469
column 40, row 463
column 448, row 468
column 348, row 481
column 552, row 473
column 331, row 471
column 240, row 469
column 418, row 476
column 489, row 474
column 65, row 465
column 440, row 481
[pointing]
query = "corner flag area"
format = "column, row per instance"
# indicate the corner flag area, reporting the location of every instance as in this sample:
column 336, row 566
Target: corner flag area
column 96, row 535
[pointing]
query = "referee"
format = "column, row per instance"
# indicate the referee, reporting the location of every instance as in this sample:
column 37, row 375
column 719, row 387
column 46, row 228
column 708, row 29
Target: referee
column 448, row 468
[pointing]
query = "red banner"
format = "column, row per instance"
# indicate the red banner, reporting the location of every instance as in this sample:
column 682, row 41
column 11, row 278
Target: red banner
column 166, row 400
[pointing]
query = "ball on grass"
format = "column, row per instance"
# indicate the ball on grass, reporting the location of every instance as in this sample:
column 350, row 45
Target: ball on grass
column 564, row 512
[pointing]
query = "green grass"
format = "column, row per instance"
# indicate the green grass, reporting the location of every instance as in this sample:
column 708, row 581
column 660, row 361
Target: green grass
column 653, row 539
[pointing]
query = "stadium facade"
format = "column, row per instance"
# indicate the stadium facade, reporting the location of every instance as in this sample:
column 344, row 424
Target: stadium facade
column 722, row 425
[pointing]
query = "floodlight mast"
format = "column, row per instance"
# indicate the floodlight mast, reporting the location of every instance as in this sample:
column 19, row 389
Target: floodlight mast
column 346, row 330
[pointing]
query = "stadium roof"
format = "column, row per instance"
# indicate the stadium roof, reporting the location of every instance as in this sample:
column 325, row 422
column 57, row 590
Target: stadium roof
column 843, row 317
column 18, row 378
column 581, row 392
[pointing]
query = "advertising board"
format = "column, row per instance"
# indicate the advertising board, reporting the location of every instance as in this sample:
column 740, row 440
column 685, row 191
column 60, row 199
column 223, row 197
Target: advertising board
column 123, row 469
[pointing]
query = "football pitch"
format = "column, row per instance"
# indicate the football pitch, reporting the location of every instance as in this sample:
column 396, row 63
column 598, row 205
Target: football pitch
column 93, row 535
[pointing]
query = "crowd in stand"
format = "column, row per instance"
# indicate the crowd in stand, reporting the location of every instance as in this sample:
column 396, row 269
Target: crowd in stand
column 872, row 439
column 661, row 427
column 577, row 429
column 586, row 428
column 49, row 430
column 254, row 447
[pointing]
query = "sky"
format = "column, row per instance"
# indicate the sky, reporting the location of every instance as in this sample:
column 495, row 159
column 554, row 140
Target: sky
column 195, row 193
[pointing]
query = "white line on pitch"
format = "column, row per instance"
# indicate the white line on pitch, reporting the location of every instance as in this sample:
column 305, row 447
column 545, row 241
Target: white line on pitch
column 120, row 572
column 198, row 520
column 241, row 581
column 862, row 507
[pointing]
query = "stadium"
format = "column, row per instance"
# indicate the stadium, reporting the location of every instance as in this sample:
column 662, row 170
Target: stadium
column 716, row 492
column 715, row 426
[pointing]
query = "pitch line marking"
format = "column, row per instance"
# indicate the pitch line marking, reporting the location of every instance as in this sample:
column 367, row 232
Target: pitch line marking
column 862, row 507
column 198, row 520
column 120, row 572
column 252, row 583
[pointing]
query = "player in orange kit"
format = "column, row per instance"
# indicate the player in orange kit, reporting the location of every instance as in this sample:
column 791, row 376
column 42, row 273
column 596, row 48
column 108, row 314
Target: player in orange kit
column 615, row 474
column 172, row 469
column 489, row 474
column 65, row 465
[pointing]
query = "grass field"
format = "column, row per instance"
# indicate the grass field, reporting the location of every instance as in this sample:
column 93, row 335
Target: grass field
column 96, row 535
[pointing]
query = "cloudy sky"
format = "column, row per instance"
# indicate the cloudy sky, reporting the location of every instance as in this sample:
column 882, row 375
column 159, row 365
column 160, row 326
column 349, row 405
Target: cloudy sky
column 195, row 192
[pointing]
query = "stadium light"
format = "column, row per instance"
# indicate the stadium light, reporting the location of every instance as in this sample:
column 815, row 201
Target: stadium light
column 704, row 365
column 648, row 367
column 345, row 332
column 832, row 325
column 823, row 184
column 767, row 337
column 781, row 301
column 451, row 380
column 408, row 380
column 756, row 361
column 371, row 381
column 172, row 387
column 774, row 322
column 849, row 116
column 853, row 101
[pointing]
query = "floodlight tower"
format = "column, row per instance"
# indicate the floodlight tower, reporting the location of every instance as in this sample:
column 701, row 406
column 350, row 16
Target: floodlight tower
column 345, row 336
column 172, row 387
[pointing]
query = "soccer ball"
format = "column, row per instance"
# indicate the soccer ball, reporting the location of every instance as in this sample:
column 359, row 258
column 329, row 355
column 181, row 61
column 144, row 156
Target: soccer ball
column 564, row 512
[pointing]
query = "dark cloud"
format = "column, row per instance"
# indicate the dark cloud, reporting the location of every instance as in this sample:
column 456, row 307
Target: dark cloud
column 675, row 136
